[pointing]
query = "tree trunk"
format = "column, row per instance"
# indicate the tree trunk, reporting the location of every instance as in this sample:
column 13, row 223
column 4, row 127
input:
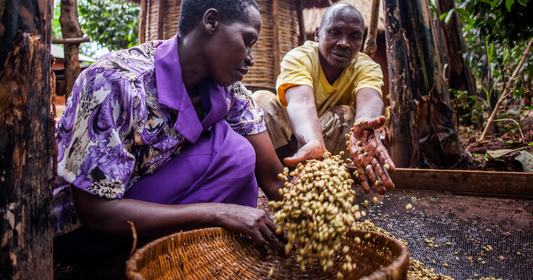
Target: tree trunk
column 458, row 73
column 422, row 127
column 70, row 28
column 27, row 146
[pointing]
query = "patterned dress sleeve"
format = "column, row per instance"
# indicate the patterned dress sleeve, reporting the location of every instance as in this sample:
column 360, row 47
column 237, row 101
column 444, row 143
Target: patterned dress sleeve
column 244, row 116
column 93, row 136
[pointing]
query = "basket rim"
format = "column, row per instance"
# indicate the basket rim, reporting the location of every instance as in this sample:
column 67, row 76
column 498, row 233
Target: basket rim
column 401, row 263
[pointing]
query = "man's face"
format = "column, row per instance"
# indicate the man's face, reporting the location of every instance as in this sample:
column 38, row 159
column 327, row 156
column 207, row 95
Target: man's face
column 339, row 38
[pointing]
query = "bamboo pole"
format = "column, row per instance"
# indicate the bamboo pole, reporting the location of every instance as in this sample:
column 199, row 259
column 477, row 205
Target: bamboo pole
column 508, row 89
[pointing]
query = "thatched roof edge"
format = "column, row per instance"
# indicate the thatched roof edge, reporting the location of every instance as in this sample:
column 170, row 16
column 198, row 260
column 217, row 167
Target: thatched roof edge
column 313, row 16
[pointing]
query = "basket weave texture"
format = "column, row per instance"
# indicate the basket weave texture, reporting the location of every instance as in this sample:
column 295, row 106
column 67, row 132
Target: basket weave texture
column 216, row 253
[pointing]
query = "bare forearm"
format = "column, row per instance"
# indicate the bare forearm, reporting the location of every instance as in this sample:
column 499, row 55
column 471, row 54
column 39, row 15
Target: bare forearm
column 369, row 104
column 303, row 115
column 150, row 219
column 267, row 165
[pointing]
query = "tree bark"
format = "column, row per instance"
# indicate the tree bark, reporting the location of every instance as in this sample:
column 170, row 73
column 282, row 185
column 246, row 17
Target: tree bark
column 70, row 28
column 370, row 44
column 458, row 73
column 27, row 146
column 422, row 127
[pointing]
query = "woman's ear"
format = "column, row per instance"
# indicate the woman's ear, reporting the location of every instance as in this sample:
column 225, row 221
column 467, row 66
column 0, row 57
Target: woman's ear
column 211, row 20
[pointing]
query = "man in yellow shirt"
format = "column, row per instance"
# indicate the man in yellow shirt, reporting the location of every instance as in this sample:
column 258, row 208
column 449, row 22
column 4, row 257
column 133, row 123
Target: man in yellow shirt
column 318, row 88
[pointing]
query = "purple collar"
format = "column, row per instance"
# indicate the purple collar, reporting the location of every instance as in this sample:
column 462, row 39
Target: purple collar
column 172, row 93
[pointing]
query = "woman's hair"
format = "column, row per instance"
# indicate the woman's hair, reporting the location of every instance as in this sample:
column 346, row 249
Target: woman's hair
column 230, row 11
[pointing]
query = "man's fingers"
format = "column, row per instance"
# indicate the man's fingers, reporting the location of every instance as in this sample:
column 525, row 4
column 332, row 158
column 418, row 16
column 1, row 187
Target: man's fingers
column 372, row 175
column 384, row 178
column 364, row 184
column 384, row 157
column 369, row 124
column 300, row 156
column 292, row 161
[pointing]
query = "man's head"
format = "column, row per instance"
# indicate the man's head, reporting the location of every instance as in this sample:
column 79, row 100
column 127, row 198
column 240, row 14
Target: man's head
column 339, row 36
column 230, row 11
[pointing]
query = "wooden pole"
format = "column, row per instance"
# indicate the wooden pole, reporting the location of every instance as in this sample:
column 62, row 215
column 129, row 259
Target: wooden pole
column 275, row 40
column 27, row 144
column 70, row 28
column 301, row 23
column 142, row 23
column 370, row 45
column 161, row 20
column 71, row 40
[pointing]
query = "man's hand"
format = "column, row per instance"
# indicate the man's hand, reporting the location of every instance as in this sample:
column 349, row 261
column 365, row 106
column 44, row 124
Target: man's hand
column 312, row 150
column 370, row 155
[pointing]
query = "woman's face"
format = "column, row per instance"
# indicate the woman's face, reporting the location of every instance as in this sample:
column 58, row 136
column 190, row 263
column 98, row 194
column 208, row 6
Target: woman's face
column 230, row 50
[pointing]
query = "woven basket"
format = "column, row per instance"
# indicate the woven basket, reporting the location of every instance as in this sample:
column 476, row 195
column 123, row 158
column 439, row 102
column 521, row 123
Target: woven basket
column 216, row 253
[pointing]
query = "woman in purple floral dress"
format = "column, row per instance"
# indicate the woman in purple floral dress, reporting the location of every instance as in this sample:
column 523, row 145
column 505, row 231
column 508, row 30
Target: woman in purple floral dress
column 154, row 135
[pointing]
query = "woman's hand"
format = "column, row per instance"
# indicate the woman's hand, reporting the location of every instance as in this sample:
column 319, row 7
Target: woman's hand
column 312, row 150
column 370, row 155
column 254, row 223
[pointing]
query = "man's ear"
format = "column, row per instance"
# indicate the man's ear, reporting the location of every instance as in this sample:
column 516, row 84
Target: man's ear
column 316, row 33
column 211, row 21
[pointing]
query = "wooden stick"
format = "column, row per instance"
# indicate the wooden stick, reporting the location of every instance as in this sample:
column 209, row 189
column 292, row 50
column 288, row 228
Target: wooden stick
column 275, row 41
column 507, row 91
column 301, row 23
column 161, row 20
column 142, row 23
column 70, row 40
column 370, row 45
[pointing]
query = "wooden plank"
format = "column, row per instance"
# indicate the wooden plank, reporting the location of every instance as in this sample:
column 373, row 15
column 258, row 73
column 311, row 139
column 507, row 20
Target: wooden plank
column 142, row 23
column 275, row 39
column 465, row 181
column 160, row 20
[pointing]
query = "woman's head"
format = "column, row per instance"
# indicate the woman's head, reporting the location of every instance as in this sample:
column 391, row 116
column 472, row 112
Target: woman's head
column 224, row 32
column 192, row 11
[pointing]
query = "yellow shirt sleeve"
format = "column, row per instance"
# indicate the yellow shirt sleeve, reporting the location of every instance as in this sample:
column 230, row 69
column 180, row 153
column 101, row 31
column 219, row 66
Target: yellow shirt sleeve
column 296, row 70
column 367, row 74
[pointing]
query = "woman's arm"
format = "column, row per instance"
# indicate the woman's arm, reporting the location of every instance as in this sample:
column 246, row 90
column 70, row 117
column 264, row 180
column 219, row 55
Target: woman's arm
column 267, row 165
column 110, row 216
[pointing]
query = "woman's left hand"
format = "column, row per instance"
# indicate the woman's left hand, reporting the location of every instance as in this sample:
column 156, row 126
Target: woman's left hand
column 371, row 158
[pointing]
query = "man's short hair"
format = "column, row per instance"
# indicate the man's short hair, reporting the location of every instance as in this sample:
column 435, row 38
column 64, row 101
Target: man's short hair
column 328, row 15
column 230, row 11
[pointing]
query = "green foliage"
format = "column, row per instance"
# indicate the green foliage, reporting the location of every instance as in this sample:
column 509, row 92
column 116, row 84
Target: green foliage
column 496, row 34
column 471, row 109
column 113, row 24
column 56, row 26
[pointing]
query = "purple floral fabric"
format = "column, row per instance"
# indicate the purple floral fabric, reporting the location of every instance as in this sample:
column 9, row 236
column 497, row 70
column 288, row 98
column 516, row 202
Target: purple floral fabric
column 114, row 130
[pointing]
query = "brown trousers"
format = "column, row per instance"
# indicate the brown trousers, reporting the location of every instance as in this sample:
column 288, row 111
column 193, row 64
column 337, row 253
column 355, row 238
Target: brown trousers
column 335, row 122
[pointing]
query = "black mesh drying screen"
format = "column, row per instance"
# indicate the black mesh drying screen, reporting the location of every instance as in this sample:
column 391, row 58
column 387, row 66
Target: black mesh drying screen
column 475, row 236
